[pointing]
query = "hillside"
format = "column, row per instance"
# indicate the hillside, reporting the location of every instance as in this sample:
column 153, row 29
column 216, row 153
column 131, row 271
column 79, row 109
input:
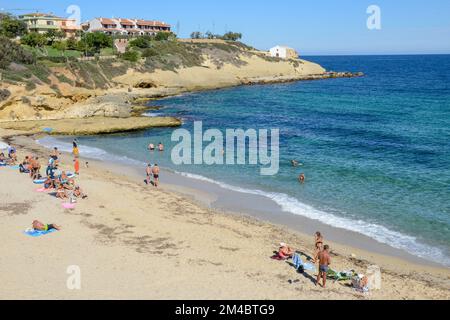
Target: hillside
column 70, row 88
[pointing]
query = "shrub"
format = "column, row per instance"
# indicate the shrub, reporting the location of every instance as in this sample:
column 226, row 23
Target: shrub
column 131, row 55
column 141, row 42
column 4, row 94
column 12, row 52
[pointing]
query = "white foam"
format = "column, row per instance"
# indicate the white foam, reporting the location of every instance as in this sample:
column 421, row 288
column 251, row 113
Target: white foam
column 287, row 203
column 379, row 233
column 85, row 151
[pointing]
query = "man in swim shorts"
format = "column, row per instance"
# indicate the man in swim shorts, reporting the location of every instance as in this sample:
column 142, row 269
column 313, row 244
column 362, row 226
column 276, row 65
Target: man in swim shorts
column 324, row 263
column 155, row 171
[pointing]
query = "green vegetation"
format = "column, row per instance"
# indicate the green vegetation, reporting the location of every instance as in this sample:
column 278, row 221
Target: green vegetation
column 12, row 52
column 229, row 36
column 131, row 55
column 11, row 27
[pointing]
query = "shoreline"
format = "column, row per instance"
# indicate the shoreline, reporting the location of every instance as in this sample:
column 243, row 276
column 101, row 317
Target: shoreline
column 235, row 201
column 394, row 269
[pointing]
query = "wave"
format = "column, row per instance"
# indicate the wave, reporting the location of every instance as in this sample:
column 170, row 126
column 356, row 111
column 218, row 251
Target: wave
column 377, row 232
column 287, row 203
column 85, row 151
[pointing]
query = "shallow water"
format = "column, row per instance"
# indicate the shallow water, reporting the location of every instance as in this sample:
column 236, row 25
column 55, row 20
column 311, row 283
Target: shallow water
column 376, row 150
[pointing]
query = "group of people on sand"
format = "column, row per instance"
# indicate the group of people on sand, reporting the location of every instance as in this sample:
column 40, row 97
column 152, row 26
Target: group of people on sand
column 321, row 256
column 11, row 159
column 152, row 171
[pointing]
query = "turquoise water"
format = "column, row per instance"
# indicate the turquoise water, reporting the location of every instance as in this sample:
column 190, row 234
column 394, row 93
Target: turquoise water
column 376, row 150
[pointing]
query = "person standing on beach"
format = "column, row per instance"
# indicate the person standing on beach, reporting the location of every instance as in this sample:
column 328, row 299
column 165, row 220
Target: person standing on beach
column 324, row 263
column 155, row 171
column 75, row 150
column 76, row 166
column 148, row 171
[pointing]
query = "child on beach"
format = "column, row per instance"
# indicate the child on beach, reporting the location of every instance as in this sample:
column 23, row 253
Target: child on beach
column 75, row 150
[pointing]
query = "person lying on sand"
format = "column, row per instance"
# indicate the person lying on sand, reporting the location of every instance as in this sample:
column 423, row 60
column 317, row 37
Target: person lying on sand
column 61, row 192
column 49, row 183
column 285, row 251
column 324, row 263
column 37, row 225
column 78, row 193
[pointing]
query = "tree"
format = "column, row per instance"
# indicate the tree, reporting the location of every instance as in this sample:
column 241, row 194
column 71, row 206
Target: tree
column 233, row 36
column 162, row 36
column 97, row 41
column 13, row 52
column 34, row 39
column 131, row 55
column 196, row 35
column 53, row 35
column 61, row 46
column 142, row 42
column 72, row 43
column 11, row 27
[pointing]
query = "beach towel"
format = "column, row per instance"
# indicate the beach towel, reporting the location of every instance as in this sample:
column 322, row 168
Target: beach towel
column 298, row 263
column 47, row 130
column 68, row 205
column 14, row 167
column 37, row 233
column 39, row 181
column 340, row 276
column 43, row 190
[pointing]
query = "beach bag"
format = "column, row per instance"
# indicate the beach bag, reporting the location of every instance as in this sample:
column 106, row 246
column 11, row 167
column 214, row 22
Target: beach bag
column 374, row 277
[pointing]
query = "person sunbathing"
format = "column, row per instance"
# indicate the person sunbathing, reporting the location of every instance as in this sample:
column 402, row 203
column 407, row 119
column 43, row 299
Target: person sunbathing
column 61, row 192
column 49, row 183
column 39, row 226
column 78, row 193
column 285, row 251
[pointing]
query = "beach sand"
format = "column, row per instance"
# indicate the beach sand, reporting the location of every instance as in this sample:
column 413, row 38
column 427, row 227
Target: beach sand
column 132, row 241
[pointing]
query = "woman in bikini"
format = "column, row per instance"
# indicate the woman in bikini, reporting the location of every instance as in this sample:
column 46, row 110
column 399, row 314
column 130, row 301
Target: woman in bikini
column 318, row 246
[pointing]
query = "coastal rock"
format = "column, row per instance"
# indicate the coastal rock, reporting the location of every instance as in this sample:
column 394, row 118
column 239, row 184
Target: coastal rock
column 91, row 126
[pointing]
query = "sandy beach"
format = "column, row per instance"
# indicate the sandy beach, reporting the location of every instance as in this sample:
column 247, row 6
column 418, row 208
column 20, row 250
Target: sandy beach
column 132, row 241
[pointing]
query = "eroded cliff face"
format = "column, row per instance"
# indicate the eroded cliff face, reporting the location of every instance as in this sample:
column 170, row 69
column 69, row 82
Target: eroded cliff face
column 106, row 88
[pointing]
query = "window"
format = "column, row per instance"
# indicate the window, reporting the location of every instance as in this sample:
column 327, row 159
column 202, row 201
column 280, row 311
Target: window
column 50, row 23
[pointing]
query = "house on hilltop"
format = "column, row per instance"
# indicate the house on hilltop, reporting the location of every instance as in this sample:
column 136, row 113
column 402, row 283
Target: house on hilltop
column 43, row 22
column 283, row 52
column 126, row 27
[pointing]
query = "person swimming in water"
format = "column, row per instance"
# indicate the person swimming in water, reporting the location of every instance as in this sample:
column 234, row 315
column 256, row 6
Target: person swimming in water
column 151, row 147
column 301, row 178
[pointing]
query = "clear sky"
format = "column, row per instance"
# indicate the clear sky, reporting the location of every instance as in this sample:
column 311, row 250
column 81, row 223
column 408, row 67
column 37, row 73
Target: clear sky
column 310, row 26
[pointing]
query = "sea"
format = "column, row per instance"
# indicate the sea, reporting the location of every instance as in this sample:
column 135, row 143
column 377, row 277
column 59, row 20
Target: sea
column 375, row 150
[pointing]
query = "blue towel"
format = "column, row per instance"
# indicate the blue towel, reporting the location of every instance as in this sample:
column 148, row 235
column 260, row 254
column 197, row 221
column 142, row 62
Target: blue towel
column 47, row 130
column 298, row 262
column 37, row 233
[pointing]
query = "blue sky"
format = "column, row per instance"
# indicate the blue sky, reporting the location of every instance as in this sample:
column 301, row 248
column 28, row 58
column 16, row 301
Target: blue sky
column 312, row 27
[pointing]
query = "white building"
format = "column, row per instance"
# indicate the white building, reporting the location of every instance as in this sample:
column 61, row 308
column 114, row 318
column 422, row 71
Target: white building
column 128, row 27
column 283, row 52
